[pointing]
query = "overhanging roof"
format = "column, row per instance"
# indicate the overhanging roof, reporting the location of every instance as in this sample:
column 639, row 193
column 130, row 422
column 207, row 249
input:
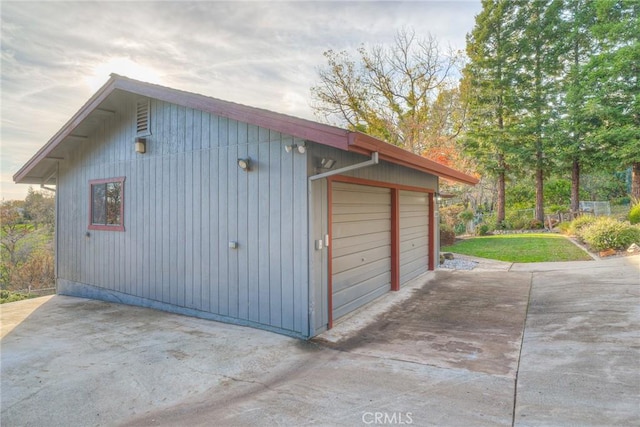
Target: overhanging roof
column 39, row 168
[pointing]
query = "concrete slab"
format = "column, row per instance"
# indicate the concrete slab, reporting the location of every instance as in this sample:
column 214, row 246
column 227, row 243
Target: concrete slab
column 77, row 362
column 445, row 353
column 580, row 362
column 456, row 319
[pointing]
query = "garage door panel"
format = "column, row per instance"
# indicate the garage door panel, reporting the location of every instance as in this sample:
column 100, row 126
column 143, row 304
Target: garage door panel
column 361, row 258
column 357, row 228
column 413, row 232
column 412, row 270
column 412, row 254
column 352, row 198
column 368, row 216
column 409, row 198
column 345, row 209
column 360, row 301
column 352, row 276
column 412, row 244
column 347, row 294
column 413, row 221
column 360, row 245
column 414, row 235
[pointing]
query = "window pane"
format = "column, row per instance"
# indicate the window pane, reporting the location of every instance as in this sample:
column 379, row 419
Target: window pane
column 98, row 208
column 113, row 203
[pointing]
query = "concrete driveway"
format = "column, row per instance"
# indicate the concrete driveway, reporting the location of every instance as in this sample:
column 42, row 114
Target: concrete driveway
column 450, row 350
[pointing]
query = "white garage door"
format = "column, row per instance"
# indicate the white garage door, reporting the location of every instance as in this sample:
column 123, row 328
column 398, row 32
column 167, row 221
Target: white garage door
column 361, row 245
column 414, row 235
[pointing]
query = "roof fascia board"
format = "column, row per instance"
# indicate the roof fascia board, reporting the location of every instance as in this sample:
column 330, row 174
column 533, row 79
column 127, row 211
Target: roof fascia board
column 364, row 144
column 66, row 130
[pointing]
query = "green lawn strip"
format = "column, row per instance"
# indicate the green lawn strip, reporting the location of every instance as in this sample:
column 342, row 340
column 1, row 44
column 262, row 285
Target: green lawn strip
column 520, row 248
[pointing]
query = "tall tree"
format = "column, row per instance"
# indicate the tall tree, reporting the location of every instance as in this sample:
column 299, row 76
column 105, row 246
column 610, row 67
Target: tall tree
column 390, row 92
column 39, row 207
column 539, row 28
column 613, row 74
column 576, row 149
column 488, row 86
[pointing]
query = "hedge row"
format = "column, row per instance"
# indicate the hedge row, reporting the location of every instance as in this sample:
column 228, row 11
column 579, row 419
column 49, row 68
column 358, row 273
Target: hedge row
column 604, row 233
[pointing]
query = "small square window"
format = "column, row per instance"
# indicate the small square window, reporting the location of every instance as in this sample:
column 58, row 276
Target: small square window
column 107, row 204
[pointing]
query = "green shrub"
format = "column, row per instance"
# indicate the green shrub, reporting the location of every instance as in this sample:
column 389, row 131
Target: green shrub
column 447, row 235
column 7, row 296
column 634, row 214
column 535, row 224
column 579, row 223
column 563, row 227
column 466, row 215
column 483, row 230
column 609, row 233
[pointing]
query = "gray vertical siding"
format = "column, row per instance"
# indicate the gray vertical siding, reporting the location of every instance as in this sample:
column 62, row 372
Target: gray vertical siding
column 185, row 200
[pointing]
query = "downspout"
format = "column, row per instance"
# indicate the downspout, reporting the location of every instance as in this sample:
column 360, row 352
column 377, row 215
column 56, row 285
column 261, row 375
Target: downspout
column 373, row 161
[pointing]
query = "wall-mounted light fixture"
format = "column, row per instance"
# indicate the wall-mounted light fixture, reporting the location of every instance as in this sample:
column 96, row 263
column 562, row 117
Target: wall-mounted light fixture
column 141, row 145
column 301, row 148
column 327, row 163
column 244, row 164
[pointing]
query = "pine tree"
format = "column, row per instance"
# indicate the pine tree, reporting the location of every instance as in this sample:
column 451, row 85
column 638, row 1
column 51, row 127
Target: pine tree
column 613, row 74
column 576, row 150
column 488, row 80
column 538, row 28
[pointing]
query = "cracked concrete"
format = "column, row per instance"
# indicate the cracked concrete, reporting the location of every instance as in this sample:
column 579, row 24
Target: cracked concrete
column 449, row 350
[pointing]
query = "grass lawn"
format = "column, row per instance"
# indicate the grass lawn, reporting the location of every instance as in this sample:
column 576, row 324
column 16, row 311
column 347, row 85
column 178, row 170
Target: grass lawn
column 520, row 248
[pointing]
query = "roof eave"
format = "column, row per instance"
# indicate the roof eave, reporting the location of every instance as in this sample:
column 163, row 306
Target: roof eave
column 66, row 130
column 365, row 144
column 300, row 128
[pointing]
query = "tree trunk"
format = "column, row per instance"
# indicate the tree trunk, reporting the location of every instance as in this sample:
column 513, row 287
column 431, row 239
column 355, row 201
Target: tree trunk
column 575, row 186
column 539, row 195
column 501, row 200
column 635, row 181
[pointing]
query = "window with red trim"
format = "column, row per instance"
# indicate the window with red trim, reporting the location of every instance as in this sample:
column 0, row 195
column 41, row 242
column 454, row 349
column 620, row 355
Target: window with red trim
column 107, row 204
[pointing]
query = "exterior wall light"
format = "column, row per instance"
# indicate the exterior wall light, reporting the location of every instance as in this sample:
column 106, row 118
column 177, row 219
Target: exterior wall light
column 244, row 164
column 299, row 147
column 141, row 145
column 327, row 163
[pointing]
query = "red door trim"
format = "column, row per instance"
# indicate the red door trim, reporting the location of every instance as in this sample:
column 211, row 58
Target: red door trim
column 395, row 239
column 431, row 232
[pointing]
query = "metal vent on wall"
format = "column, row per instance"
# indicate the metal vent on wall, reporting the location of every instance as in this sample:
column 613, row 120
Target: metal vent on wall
column 142, row 118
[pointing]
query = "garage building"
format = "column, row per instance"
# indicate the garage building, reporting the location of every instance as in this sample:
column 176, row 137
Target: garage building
column 194, row 205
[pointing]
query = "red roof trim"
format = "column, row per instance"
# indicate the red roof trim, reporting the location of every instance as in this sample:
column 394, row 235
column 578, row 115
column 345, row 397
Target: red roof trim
column 365, row 144
column 301, row 128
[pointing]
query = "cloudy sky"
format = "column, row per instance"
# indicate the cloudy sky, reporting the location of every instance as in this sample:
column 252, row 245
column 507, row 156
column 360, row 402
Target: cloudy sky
column 55, row 55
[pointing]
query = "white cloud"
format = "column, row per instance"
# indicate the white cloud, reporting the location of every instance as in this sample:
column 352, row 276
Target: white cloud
column 258, row 53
